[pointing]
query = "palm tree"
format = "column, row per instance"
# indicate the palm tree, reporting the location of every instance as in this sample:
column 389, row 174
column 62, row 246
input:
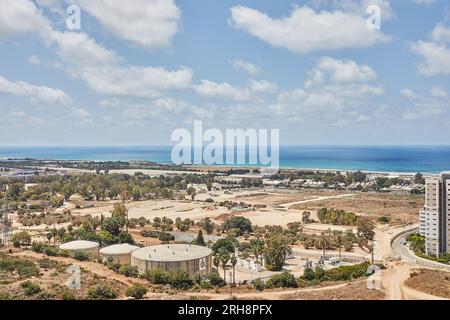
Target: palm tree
column 339, row 242
column 233, row 263
column 224, row 257
column 216, row 262
column 257, row 247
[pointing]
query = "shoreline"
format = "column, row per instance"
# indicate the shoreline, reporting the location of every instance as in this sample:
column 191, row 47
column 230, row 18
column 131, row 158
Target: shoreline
column 203, row 168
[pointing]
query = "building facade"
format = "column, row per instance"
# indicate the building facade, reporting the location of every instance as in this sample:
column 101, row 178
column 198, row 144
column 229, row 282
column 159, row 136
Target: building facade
column 435, row 216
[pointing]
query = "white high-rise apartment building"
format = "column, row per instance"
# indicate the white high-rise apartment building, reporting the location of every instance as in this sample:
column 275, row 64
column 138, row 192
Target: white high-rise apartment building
column 435, row 216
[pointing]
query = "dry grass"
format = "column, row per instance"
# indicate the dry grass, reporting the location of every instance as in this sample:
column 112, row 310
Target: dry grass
column 352, row 291
column 433, row 282
column 397, row 207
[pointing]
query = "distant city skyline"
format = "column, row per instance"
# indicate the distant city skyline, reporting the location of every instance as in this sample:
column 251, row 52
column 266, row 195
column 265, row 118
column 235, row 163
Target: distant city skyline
column 309, row 68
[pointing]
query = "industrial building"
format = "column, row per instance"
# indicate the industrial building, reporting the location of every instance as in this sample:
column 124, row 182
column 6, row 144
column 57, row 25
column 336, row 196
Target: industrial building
column 118, row 253
column 89, row 247
column 170, row 257
column 435, row 216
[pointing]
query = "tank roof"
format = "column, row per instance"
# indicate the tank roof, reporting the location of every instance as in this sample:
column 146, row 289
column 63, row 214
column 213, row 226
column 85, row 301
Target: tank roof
column 78, row 245
column 172, row 252
column 123, row 248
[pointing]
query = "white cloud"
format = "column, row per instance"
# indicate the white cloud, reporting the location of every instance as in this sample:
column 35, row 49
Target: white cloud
column 436, row 58
column 263, row 86
column 39, row 94
column 345, row 71
column 441, row 34
column 20, row 16
column 105, row 72
column 327, row 94
column 222, row 90
column 425, row 2
column 250, row 68
column 34, row 60
column 305, row 30
column 439, row 92
column 423, row 106
column 150, row 23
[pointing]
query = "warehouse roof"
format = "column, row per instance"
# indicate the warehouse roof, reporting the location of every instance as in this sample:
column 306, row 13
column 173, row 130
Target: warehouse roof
column 172, row 252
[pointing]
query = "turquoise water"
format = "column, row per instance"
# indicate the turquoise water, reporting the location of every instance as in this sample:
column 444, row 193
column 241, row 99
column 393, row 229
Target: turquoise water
column 427, row 159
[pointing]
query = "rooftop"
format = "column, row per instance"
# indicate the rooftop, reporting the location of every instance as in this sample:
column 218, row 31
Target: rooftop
column 123, row 248
column 172, row 252
column 78, row 245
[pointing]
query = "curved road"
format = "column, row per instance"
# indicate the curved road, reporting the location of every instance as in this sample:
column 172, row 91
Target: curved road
column 405, row 254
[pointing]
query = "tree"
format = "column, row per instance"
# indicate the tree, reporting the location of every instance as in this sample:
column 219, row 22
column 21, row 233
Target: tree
column 257, row 246
column 208, row 226
column 191, row 192
column 365, row 228
column 228, row 243
column 240, row 223
column 224, row 257
column 233, row 261
column 306, row 217
column 339, row 242
column 418, row 178
column 276, row 252
column 216, row 262
column 200, row 241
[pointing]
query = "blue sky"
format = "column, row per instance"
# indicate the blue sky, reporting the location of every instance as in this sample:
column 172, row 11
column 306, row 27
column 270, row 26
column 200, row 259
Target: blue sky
column 134, row 72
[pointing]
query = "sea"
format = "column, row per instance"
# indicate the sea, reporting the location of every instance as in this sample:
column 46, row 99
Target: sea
column 425, row 159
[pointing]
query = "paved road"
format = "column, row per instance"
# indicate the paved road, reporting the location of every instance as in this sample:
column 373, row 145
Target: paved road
column 403, row 252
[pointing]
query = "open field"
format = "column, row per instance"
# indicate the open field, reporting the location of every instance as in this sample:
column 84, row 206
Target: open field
column 351, row 291
column 398, row 207
column 433, row 282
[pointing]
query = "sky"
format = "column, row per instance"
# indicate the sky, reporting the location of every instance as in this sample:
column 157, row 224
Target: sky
column 136, row 70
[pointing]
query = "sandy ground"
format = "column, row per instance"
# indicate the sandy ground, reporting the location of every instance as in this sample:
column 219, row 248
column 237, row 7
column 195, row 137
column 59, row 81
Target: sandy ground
column 400, row 208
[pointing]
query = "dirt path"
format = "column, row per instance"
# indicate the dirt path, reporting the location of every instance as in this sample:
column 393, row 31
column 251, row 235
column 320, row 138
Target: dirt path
column 393, row 280
column 289, row 204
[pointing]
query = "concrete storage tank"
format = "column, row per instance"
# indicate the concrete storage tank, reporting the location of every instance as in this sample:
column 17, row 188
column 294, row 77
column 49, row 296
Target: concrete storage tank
column 89, row 247
column 170, row 257
column 119, row 253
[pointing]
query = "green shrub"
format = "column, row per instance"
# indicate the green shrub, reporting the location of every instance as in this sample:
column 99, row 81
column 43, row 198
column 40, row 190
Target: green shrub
column 30, row 288
column 205, row 285
column 215, row 280
column 24, row 268
column 180, row 279
column 67, row 295
column 129, row 271
column 101, row 292
column 319, row 273
column 22, row 238
column 346, row 273
column 157, row 276
column 383, row 219
column 284, row 279
column 258, row 284
column 136, row 291
column 81, row 256
column 46, row 263
column 308, row 274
